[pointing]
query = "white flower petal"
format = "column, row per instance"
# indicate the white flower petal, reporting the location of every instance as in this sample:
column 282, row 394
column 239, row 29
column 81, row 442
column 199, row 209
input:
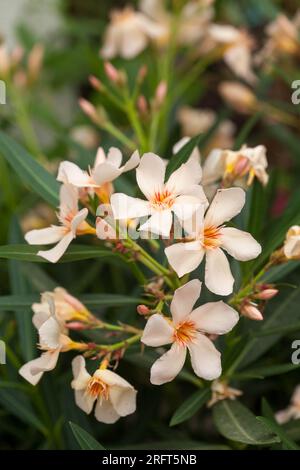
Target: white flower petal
column 114, row 157
column 45, row 236
column 80, row 374
column 105, row 173
column 132, row 43
column 241, row 245
column 150, row 174
column 218, row 277
column 185, row 206
column 205, row 358
column 78, row 219
column 100, row 157
column 168, row 365
column 68, row 197
column 105, row 412
column 157, row 332
column 226, row 204
column 127, row 207
column 214, row 166
column 215, row 318
column 49, row 333
column 111, row 378
column 33, row 370
column 184, row 257
column 181, row 180
column 25, row 372
column 123, row 399
column 57, row 252
column 104, row 230
column 133, row 162
column 159, row 223
column 184, row 300
column 69, row 172
column 84, row 401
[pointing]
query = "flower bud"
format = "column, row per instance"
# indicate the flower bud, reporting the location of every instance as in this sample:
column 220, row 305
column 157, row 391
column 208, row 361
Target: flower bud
column 266, row 294
column 143, row 310
column 160, row 93
column 242, row 166
column 96, row 83
column 76, row 325
column 111, row 72
column 252, row 312
column 35, row 60
column 90, row 110
column 142, row 74
column 142, row 105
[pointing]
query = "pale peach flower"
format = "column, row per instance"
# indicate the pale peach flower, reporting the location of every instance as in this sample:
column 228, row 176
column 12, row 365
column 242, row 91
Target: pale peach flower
column 239, row 96
column 292, row 411
column 291, row 246
column 221, row 391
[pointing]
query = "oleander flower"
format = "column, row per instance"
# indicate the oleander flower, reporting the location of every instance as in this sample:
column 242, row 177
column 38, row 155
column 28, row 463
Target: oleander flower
column 221, row 391
column 291, row 247
column 129, row 33
column 236, row 167
column 113, row 395
column 67, row 307
column 210, row 237
column 237, row 46
column 53, row 340
column 72, row 223
column 180, row 195
column 188, row 329
column 292, row 411
column 105, row 170
column 239, row 96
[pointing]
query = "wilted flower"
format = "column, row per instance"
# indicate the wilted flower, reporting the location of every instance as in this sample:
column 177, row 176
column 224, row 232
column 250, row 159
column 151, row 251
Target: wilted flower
column 291, row 246
column 180, row 194
column 187, row 330
column 105, row 170
column 209, row 237
column 221, row 391
column 72, row 224
column 292, row 411
column 239, row 96
column 129, row 33
column 114, row 396
column 236, row 167
column 53, row 340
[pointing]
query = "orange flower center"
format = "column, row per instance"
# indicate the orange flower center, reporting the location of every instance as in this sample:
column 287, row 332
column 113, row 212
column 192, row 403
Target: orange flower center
column 162, row 200
column 211, row 237
column 185, row 332
column 97, row 388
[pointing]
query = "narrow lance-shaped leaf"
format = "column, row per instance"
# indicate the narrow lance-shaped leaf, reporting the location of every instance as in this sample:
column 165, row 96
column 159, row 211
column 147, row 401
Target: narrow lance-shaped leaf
column 190, row 406
column 84, row 439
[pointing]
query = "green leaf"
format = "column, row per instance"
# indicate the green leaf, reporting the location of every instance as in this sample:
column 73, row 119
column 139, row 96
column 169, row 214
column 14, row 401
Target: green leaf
column 74, row 253
column 235, row 422
column 292, row 429
column 18, row 405
column 190, row 406
column 16, row 302
column 181, row 444
column 266, row 371
column 84, row 439
column 269, row 420
column 246, row 129
column 29, row 170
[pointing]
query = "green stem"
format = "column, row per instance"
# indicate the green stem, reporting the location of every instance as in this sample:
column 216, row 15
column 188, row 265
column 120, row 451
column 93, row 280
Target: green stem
column 111, row 129
column 121, row 344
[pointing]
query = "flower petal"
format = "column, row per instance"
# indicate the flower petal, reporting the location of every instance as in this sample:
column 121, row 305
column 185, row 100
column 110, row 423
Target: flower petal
column 57, row 252
column 105, row 412
column 184, row 300
column 105, row 173
column 45, row 236
column 123, row 400
column 184, row 257
column 33, row 370
column 104, row 230
column 205, row 358
column 127, row 207
column 114, row 157
column 159, row 223
column 226, row 204
column 215, row 318
column 69, row 172
column 157, row 332
column 150, row 174
column 68, row 197
column 181, row 180
column 84, row 401
column 78, row 219
column 133, row 162
column 49, row 333
column 80, row 374
column 241, row 245
column 25, row 372
column 185, row 206
column 168, row 365
column 218, row 277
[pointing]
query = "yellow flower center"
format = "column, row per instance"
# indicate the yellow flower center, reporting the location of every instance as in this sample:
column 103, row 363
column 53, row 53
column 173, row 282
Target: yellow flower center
column 162, row 200
column 185, row 332
column 96, row 388
column 211, row 237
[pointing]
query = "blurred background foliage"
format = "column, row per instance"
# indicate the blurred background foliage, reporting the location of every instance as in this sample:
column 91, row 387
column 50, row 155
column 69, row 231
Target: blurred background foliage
column 37, row 418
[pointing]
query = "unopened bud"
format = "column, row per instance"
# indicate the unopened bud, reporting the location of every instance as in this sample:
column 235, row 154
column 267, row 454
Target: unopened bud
column 16, row 56
column 76, row 325
column 143, row 310
column 111, row 72
column 242, row 166
column 142, row 74
column 4, row 62
column 160, row 93
column 250, row 311
column 266, row 294
column 90, row 110
column 238, row 96
column 35, row 60
column 96, row 83
column 142, row 105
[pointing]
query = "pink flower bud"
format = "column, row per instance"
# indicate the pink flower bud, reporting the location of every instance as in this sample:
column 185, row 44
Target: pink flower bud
column 250, row 311
column 90, row 110
column 142, row 104
column 96, row 83
column 76, row 325
column 160, row 93
column 266, row 294
column 111, row 72
column 143, row 310
column 35, row 60
column 142, row 73
column 242, row 166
